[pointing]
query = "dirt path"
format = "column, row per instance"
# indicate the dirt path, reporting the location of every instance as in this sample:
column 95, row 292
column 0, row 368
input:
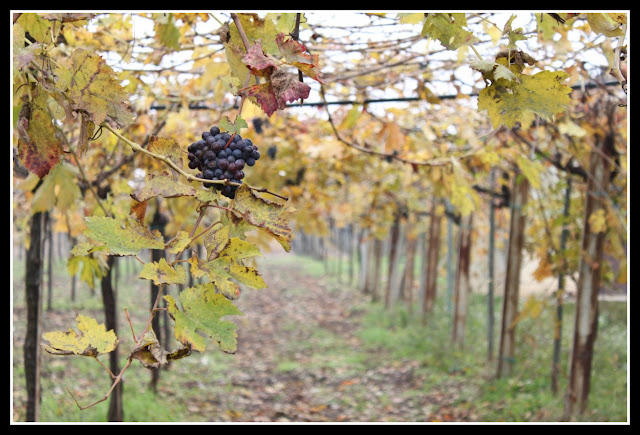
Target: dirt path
column 284, row 372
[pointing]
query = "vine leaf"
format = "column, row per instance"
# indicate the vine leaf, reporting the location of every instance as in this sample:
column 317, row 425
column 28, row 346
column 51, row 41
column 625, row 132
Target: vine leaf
column 150, row 353
column 58, row 188
column 609, row 24
column 162, row 185
column 542, row 94
column 168, row 148
column 180, row 242
column 161, row 272
column 39, row 148
column 263, row 214
column 38, row 28
column 296, row 54
column 93, row 87
column 202, row 311
column 166, row 31
column 119, row 240
column 233, row 127
column 448, row 29
column 93, row 340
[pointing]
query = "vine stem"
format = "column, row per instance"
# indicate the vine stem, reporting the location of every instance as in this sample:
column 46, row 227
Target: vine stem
column 175, row 167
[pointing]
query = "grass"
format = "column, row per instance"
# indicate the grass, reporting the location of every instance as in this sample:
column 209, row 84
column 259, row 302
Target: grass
column 524, row 396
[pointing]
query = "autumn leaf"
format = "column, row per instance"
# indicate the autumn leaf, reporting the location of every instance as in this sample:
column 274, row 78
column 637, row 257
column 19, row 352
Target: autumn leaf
column 150, row 354
column 448, row 29
column 91, row 85
column 281, row 88
column 93, row 339
column 119, row 239
column 542, row 94
column 166, row 31
column 296, row 55
column 202, row 311
column 609, row 24
column 179, row 243
column 161, row 272
column 58, row 188
column 263, row 214
column 39, row 147
column 164, row 186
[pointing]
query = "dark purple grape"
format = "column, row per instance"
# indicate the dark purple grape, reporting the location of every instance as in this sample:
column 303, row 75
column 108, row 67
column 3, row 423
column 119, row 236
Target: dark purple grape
column 237, row 138
column 239, row 163
column 218, row 173
column 228, row 175
column 191, row 148
column 232, row 167
column 193, row 164
column 238, row 175
column 256, row 154
column 201, row 143
column 210, row 140
column 209, row 155
column 231, row 158
column 247, row 152
column 205, row 135
column 250, row 161
column 191, row 156
column 208, row 174
column 237, row 154
column 214, row 130
column 212, row 164
column 223, row 163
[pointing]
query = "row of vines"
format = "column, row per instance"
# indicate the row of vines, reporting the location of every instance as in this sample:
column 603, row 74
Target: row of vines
column 116, row 144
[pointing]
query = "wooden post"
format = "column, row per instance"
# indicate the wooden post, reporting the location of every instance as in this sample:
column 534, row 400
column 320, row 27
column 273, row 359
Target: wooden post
column 433, row 252
column 461, row 291
column 557, row 330
column 33, row 285
column 586, row 319
column 492, row 236
column 512, row 284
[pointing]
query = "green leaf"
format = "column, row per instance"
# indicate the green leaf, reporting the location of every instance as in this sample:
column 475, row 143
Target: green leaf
column 162, row 185
column 263, row 214
column 93, row 340
column 91, row 85
column 123, row 240
column 162, row 273
column 202, row 311
column 447, row 28
column 166, row 31
column 233, row 127
column 542, row 94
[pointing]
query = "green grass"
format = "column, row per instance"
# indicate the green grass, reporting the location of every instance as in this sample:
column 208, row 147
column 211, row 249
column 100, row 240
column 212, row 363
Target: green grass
column 523, row 396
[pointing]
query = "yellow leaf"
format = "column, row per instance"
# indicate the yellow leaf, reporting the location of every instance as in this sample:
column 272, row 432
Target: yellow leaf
column 93, row 340
column 597, row 221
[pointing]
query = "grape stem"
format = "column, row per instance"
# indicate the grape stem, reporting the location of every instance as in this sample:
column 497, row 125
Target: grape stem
column 175, row 167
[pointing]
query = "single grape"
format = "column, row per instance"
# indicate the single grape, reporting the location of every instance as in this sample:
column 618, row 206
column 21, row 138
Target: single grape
column 250, row 161
column 239, row 163
column 237, row 154
column 205, row 135
column 214, row 130
column 239, row 175
column 232, row 167
column 223, row 163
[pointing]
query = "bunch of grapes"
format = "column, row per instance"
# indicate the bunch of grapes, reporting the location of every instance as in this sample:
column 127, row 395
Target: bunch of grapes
column 218, row 161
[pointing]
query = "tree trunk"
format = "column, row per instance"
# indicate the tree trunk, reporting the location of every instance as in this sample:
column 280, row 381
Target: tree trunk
column 31, row 347
column 557, row 332
column 158, row 223
column 377, row 270
column 433, row 252
column 49, row 248
column 586, row 319
column 115, row 412
column 461, row 290
column 395, row 271
column 407, row 287
column 393, row 243
column 492, row 256
column 512, row 284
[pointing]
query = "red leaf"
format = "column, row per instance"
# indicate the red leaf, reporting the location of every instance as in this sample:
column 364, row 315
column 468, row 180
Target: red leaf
column 258, row 62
